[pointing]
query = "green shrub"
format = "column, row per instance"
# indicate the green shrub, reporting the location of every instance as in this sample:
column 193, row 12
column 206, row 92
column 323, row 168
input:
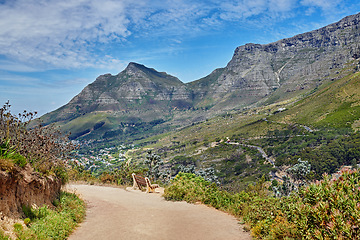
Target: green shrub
column 19, row 160
column 28, row 212
column 27, row 221
column 61, row 173
column 329, row 209
column 187, row 187
column 53, row 224
column 191, row 188
column 18, row 227
column 45, row 148
column 325, row 210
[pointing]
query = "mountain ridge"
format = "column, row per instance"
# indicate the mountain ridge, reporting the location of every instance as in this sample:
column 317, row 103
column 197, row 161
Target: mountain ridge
column 257, row 74
column 291, row 64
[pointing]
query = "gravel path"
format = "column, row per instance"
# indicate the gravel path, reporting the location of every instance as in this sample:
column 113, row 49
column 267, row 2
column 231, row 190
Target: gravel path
column 115, row 213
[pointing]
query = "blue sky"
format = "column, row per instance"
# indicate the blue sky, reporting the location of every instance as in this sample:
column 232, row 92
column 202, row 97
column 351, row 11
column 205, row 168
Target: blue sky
column 50, row 49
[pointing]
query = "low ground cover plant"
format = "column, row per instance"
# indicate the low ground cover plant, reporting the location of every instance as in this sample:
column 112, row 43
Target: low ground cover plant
column 58, row 223
column 327, row 209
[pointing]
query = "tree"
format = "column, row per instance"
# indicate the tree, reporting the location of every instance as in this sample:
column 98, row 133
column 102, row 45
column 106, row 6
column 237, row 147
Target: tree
column 285, row 188
column 299, row 172
column 153, row 161
column 208, row 174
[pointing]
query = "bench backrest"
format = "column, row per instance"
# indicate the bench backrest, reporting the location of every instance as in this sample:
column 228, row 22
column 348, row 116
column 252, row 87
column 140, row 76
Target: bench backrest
column 139, row 180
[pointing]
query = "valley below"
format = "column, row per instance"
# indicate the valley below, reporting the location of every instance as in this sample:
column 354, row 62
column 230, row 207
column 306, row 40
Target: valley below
column 288, row 98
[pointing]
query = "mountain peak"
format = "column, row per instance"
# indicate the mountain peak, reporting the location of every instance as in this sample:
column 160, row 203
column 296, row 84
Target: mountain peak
column 139, row 70
column 258, row 74
column 134, row 64
column 137, row 66
column 136, row 69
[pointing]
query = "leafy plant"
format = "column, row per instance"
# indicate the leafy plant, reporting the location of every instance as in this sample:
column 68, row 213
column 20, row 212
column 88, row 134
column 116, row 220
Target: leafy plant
column 6, row 150
column 19, row 160
column 45, row 223
column 153, row 161
column 299, row 172
column 27, row 221
column 327, row 209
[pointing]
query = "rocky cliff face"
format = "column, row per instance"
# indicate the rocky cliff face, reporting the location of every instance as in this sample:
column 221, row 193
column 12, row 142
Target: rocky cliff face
column 26, row 188
column 256, row 74
column 134, row 90
column 301, row 62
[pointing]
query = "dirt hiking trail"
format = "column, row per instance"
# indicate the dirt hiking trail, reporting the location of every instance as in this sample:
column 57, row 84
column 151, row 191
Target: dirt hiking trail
column 115, row 213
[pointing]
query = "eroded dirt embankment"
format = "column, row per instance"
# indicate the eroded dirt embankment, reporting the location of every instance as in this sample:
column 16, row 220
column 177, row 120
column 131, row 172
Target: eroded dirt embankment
column 25, row 187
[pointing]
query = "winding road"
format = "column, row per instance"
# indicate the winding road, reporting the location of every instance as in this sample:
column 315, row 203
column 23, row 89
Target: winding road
column 260, row 149
column 274, row 175
column 115, row 213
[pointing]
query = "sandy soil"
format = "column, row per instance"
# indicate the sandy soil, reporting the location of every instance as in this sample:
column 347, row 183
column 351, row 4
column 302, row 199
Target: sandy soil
column 115, row 213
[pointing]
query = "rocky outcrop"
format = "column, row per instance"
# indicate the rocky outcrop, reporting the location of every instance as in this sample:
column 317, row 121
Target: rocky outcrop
column 289, row 65
column 136, row 89
column 24, row 187
column 257, row 74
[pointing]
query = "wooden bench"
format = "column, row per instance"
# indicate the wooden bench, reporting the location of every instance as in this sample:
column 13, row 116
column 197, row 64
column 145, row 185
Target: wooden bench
column 140, row 182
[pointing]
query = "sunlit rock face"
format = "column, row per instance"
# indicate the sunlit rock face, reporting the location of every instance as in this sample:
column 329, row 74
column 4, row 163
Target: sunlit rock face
column 289, row 65
column 257, row 74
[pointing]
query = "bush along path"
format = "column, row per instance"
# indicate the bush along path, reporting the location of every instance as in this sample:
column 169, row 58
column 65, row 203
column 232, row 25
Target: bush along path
column 327, row 209
column 46, row 223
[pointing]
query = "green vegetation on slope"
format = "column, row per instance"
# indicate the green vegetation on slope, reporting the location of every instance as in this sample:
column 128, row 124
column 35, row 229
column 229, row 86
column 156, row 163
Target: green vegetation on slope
column 326, row 151
column 310, row 129
column 324, row 210
column 204, row 143
column 335, row 105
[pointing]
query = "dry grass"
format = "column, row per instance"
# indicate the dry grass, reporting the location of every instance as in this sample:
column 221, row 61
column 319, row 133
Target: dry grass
column 7, row 226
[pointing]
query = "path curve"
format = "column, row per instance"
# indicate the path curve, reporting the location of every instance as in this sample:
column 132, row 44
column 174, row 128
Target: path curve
column 115, row 213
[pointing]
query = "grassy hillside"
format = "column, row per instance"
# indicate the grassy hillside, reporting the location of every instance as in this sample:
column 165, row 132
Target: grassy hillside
column 204, row 142
column 335, row 105
column 283, row 129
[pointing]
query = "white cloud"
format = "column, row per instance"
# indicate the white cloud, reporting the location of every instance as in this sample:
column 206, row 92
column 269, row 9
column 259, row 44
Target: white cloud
column 77, row 34
column 241, row 9
column 325, row 4
column 66, row 34
column 60, row 32
column 15, row 66
column 16, row 80
column 281, row 5
column 257, row 13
